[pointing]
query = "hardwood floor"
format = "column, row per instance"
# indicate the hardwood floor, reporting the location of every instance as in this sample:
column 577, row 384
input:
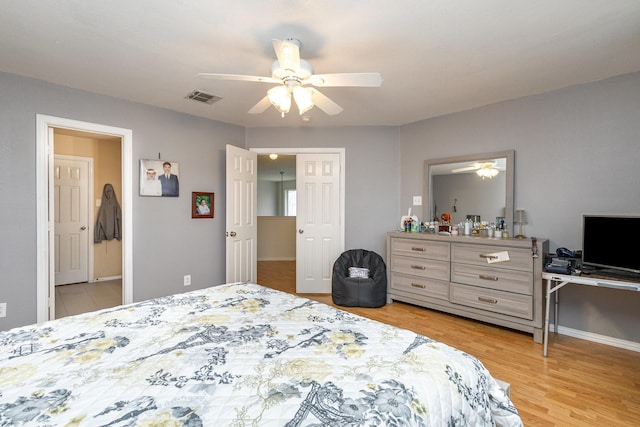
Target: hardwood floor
column 581, row 383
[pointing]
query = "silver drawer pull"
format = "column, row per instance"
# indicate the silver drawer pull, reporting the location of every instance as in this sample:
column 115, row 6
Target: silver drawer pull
column 418, row 267
column 416, row 249
column 489, row 256
column 416, row 285
column 489, row 300
column 485, row 277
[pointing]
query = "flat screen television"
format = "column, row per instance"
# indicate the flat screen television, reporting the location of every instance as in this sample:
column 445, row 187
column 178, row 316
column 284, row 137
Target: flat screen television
column 606, row 240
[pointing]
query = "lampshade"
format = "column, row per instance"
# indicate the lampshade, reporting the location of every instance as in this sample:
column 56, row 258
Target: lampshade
column 521, row 217
column 280, row 98
column 487, row 172
column 303, row 96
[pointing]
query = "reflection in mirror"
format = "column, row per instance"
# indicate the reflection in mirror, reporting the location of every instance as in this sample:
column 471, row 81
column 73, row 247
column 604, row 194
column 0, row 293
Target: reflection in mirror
column 479, row 185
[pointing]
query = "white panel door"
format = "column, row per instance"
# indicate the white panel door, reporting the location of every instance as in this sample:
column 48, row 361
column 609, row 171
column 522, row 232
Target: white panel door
column 241, row 226
column 318, row 242
column 71, row 220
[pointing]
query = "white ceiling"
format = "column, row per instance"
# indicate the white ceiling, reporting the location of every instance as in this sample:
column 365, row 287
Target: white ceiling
column 435, row 56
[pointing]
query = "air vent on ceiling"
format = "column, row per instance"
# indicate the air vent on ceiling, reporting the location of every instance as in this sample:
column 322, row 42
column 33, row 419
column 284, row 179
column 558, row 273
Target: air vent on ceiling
column 200, row 96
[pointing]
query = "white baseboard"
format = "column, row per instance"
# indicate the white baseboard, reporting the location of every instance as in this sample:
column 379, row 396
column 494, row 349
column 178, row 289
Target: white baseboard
column 602, row 339
column 104, row 279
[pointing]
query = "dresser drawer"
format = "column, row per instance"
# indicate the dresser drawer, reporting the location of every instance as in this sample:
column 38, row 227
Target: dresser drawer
column 421, row 249
column 501, row 279
column 508, row 303
column 420, row 285
column 519, row 259
column 420, row 267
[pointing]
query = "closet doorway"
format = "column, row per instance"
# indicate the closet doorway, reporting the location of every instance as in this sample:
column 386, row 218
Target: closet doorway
column 109, row 151
column 88, row 275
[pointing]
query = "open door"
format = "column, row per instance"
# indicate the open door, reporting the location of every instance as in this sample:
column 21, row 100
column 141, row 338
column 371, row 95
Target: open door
column 319, row 232
column 241, row 225
column 71, row 176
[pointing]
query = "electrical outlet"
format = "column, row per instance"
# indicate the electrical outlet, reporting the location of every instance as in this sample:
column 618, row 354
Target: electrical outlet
column 187, row 280
column 417, row 200
column 3, row 309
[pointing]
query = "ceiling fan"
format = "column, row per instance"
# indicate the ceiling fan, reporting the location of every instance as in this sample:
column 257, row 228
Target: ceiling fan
column 294, row 77
column 483, row 169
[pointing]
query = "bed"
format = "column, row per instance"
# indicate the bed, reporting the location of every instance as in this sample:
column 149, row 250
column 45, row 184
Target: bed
column 239, row 355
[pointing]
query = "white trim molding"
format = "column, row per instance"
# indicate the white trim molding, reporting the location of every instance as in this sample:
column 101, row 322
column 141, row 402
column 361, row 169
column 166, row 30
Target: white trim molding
column 601, row 339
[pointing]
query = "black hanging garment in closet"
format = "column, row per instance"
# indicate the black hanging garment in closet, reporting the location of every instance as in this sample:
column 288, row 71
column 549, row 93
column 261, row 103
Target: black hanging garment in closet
column 108, row 224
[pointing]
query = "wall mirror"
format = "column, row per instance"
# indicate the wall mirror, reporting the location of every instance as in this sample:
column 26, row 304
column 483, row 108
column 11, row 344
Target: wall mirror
column 478, row 185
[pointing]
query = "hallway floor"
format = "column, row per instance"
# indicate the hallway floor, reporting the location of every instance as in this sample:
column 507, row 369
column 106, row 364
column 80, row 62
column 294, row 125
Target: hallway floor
column 79, row 298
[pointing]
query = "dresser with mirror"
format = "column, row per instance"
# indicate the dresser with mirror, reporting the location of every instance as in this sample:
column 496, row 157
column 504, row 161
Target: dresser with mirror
column 491, row 279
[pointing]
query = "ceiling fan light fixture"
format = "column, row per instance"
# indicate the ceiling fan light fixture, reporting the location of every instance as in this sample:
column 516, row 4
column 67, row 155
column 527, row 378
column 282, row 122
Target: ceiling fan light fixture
column 295, row 73
column 280, row 98
column 487, row 172
column 303, row 98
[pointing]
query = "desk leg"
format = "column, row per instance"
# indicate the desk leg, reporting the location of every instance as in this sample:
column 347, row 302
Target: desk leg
column 546, row 319
column 556, row 300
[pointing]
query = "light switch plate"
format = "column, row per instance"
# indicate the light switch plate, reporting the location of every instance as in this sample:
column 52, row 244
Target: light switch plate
column 417, row 200
column 3, row 309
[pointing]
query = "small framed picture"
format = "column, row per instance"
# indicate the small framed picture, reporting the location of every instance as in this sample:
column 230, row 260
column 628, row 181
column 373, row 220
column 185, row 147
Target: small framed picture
column 201, row 205
column 159, row 178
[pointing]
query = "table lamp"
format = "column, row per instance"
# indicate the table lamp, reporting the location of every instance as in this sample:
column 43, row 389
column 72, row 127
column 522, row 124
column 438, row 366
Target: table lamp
column 521, row 218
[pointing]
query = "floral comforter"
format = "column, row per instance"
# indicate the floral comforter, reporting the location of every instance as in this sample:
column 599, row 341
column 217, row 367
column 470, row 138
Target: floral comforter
column 239, row 355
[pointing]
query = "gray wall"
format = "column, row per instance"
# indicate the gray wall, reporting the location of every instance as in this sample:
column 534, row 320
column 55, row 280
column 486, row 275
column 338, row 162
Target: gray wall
column 371, row 176
column 268, row 198
column 271, row 196
column 577, row 151
column 167, row 242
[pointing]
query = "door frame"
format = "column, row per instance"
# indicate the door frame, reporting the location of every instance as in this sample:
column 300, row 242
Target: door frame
column 44, row 206
column 340, row 152
column 90, row 196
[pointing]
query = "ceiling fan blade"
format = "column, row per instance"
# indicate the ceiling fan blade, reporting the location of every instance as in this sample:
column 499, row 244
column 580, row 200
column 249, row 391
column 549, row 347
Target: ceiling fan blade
column 324, row 103
column 465, row 169
column 346, row 79
column 239, row 77
column 288, row 53
column 261, row 106
column 488, row 164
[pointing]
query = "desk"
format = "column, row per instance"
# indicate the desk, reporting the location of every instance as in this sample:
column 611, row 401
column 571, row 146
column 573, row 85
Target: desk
column 563, row 279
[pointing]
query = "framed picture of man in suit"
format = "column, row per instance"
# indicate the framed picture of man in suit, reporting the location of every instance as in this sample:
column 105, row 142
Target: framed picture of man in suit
column 201, row 205
column 159, row 178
